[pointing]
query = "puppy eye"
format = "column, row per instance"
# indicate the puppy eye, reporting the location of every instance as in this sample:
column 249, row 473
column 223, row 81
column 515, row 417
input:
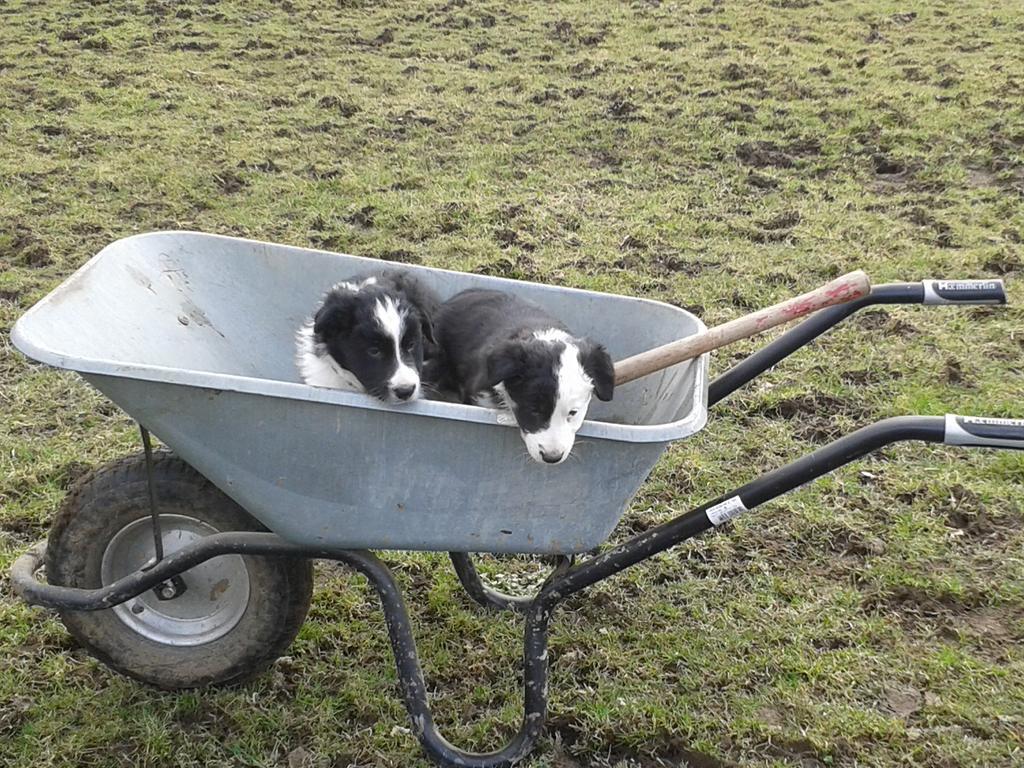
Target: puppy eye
column 374, row 351
column 573, row 412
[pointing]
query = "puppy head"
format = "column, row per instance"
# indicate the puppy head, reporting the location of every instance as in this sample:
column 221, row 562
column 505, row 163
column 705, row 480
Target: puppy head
column 376, row 334
column 547, row 380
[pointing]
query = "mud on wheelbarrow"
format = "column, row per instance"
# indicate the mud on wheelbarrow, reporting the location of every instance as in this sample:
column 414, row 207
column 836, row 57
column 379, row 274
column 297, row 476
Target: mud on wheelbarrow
column 195, row 567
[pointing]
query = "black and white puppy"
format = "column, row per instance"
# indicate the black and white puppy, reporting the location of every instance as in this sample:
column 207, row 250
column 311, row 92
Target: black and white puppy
column 503, row 351
column 370, row 334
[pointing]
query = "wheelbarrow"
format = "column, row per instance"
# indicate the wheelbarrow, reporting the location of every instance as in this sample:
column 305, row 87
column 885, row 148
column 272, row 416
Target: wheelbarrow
column 194, row 566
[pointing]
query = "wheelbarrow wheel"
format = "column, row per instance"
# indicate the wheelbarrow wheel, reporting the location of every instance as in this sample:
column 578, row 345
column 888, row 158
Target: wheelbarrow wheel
column 235, row 615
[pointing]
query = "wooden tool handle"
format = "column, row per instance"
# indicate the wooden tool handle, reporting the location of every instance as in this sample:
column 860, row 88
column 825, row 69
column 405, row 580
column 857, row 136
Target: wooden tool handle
column 839, row 291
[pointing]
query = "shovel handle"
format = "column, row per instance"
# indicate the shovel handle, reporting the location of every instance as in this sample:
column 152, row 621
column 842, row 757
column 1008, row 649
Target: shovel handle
column 841, row 290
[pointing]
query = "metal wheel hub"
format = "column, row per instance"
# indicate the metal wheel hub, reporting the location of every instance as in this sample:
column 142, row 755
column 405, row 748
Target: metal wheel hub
column 216, row 594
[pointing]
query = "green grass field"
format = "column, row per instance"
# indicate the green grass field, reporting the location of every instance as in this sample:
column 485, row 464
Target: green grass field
column 711, row 153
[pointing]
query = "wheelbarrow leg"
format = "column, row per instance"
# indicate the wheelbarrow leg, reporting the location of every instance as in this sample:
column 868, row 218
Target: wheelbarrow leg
column 414, row 690
column 492, row 598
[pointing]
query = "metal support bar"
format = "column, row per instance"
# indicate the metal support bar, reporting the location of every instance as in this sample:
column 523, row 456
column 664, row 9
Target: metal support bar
column 135, row 583
column 158, row 538
column 961, row 292
column 492, row 598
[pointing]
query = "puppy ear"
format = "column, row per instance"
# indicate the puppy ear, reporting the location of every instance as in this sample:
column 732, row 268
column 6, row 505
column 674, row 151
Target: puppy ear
column 504, row 362
column 599, row 367
column 427, row 327
column 335, row 317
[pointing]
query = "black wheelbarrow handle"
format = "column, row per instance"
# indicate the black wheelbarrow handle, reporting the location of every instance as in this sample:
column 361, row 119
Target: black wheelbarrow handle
column 967, row 431
column 929, row 292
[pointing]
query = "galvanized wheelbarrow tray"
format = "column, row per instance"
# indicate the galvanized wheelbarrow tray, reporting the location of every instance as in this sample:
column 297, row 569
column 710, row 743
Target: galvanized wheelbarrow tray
column 195, row 568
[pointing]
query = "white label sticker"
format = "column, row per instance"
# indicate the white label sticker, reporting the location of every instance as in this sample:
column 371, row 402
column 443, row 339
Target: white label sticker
column 988, row 421
column 726, row 510
column 966, row 285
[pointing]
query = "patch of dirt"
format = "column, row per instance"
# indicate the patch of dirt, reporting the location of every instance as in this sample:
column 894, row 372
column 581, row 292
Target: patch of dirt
column 980, row 178
column 802, row 750
column 23, row 530
column 620, row 108
column 547, row 96
column 339, row 105
column 734, row 72
column 508, row 237
column 664, row 750
column 521, row 267
column 12, row 295
column 760, row 181
column 75, row 34
column 565, row 32
column 953, row 373
column 881, row 320
column 632, row 243
column 913, row 605
column 763, row 154
column 450, row 217
column 97, row 43
column 890, row 173
column 813, row 415
column 887, row 166
column 229, row 182
column 14, row 713
column 966, row 512
column 903, row 702
column 638, row 257
column 198, row 46
column 992, row 625
column 848, row 542
column 781, row 278
column 21, row 245
column 774, row 230
column 782, row 221
column 384, row 37
column 315, row 172
column 740, row 301
column 71, row 472
column 363, row 218
column 943, row 233
column 1003, row 264
column 603, row 158
column 863, row 377
column 263, row 166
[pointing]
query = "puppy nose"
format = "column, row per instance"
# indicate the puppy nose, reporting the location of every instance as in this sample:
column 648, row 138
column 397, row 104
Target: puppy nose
column 552, row 457
column 404, row 393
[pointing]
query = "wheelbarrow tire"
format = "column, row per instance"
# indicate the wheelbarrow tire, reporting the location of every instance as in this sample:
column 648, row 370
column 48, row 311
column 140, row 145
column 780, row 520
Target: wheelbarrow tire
column 266, row 613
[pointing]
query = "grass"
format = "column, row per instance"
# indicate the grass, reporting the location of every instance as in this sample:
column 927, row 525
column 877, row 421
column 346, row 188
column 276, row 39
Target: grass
column 713, row 154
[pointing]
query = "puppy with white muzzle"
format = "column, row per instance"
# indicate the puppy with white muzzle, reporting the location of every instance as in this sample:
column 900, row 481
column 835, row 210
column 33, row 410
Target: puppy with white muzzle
column 370, row 334
column 503, row 351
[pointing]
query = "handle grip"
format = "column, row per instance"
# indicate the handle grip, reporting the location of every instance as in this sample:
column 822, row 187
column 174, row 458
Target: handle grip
column 964, row 292
column 984, row 432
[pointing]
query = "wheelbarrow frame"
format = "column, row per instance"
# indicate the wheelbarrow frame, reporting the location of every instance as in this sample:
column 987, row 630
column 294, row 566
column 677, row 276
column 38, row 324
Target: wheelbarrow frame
column 568, row 578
